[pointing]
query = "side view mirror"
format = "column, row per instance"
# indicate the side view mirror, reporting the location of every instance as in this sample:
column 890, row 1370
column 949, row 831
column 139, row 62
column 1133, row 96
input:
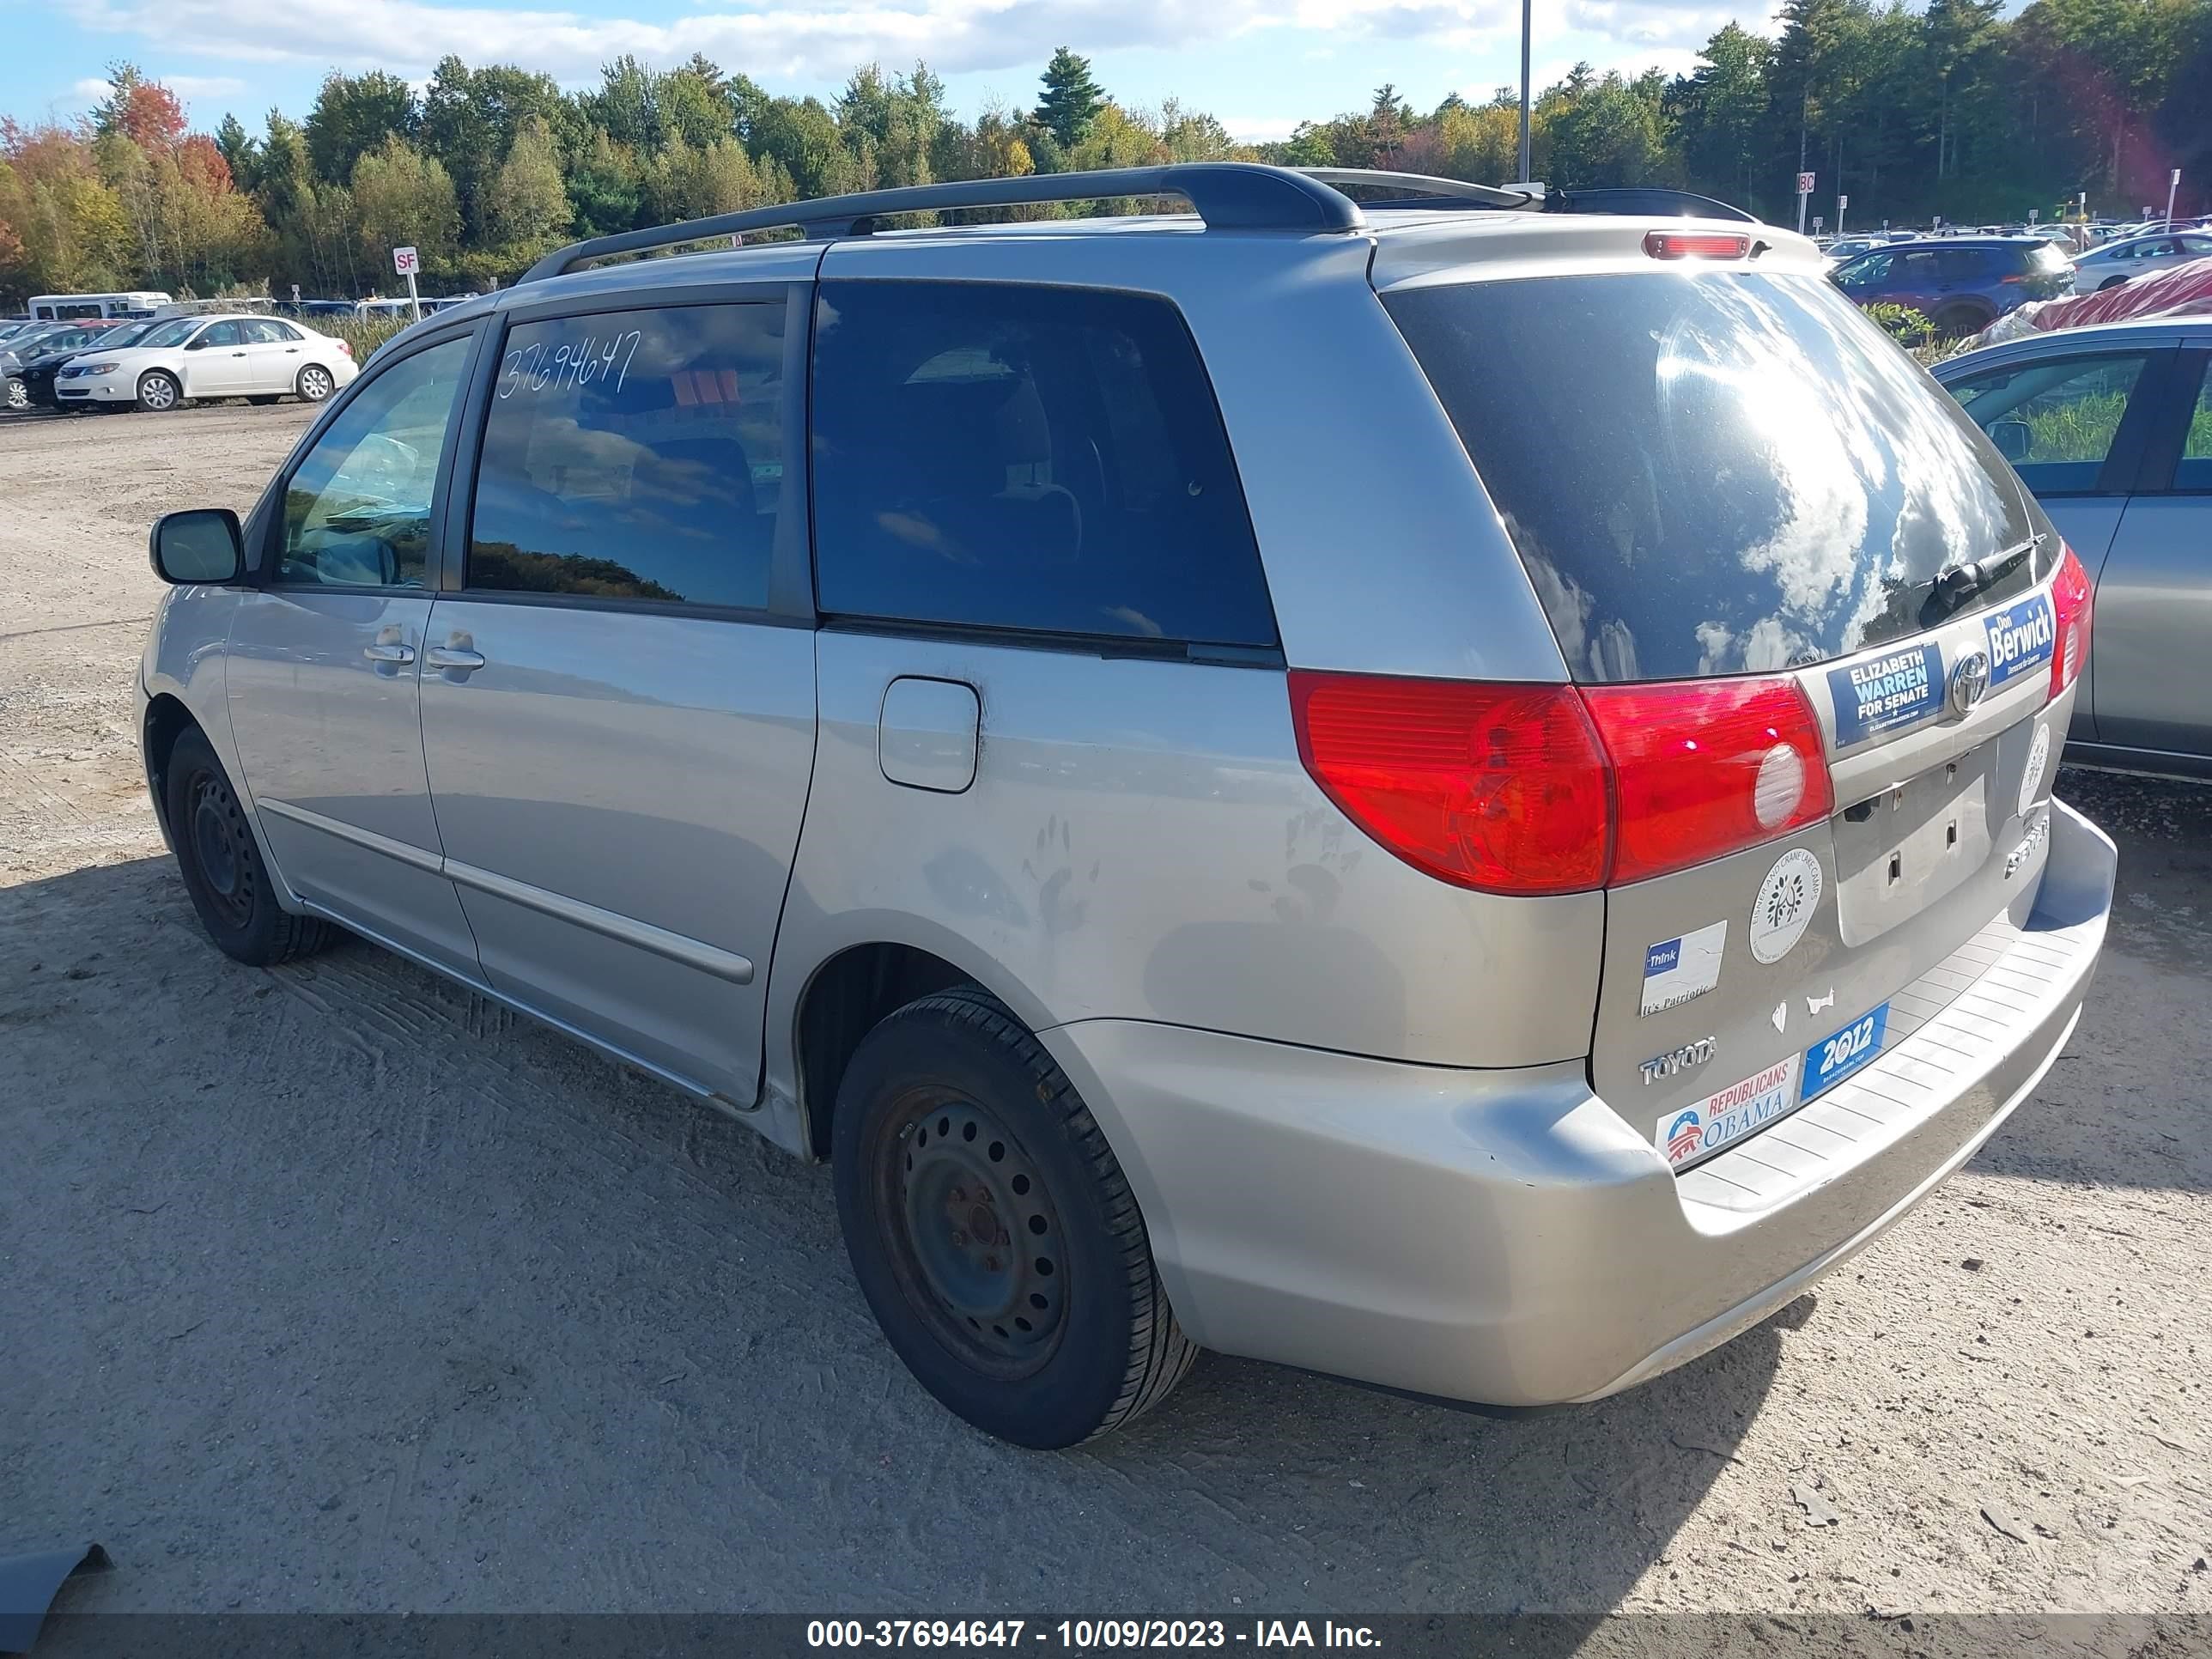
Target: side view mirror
column 2013, row 439
column 199, row 345
column 200, row 545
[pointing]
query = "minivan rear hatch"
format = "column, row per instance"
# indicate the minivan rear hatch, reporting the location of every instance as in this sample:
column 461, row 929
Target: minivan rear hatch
column 1794, row 584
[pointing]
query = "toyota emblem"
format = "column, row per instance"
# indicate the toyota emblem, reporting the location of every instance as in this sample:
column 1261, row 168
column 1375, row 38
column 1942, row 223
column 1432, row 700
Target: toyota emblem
column 1970, row 681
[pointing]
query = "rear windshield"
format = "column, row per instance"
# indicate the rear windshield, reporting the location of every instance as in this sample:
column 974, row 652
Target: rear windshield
column 1713, row 473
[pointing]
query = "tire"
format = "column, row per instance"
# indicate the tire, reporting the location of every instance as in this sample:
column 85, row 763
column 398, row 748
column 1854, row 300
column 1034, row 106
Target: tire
column 19, row 395
column 316, row 383
column 952, row 1119
column 1956, row 322
column 159, row 393
column 223, row 873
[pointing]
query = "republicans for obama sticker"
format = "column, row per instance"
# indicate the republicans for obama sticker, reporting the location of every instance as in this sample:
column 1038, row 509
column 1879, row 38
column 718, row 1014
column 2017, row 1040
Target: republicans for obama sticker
column 1787, row 899
column 1728, row 1115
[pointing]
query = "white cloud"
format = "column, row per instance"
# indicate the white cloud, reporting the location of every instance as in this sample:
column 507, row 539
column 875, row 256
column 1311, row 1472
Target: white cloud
column 1684, row 27
column 1260, row 129
column 90, row 90
column 204, row 86
column 805, row 39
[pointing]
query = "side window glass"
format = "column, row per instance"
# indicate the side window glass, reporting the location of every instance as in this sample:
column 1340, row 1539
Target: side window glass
column 2055, row 422
column 2195, row 472
column 357, row 511
column 263, row 333
column 1961, row 265
column 634, row 454
column 218, row 334
column 1046, row 459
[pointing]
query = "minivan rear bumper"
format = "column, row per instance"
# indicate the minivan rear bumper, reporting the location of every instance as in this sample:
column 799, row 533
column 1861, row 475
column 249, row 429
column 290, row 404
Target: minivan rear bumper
column 1506, row 1237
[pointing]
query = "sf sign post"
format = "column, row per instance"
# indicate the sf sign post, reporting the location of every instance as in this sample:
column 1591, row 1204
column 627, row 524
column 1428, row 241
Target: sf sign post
column 1804, row 194
column 406, row 262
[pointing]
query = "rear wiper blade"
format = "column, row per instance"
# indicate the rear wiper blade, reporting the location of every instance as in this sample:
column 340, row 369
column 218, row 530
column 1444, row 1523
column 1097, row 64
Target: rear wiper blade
column 1950, row 592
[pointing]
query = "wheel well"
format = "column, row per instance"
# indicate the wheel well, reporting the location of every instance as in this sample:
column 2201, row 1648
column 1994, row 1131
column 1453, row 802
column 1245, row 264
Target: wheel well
column 849, row 995
column 166, row 719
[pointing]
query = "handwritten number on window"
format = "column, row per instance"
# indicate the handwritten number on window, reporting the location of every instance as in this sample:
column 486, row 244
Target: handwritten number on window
column 541, row 366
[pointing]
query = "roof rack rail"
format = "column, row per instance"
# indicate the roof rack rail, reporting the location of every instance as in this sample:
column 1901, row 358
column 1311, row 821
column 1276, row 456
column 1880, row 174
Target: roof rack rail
column 1423, row 190
column 1227, row 195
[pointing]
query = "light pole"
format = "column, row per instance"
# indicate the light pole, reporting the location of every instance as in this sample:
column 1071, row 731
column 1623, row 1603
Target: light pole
column 1525, row 5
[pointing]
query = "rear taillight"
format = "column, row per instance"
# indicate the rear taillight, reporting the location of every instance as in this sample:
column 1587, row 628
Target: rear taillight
column 345, row 347
column 2072, row 600
column 1553, row 788
column 1501, row 787
column 1704, row 768
column 1694, row 245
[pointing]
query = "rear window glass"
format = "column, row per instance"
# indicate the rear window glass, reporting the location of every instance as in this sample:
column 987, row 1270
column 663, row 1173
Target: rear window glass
column 1716, row 473
column 634, row 455
column 1045, row 459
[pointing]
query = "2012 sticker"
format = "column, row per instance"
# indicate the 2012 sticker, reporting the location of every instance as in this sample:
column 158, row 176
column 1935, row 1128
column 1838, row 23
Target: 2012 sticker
column 1787, row 900
column 1832, row 1058
column 1677, row 969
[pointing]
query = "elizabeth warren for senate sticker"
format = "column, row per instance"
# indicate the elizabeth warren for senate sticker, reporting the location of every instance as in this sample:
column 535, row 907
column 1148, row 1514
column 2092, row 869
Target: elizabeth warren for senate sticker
column 1787, row 899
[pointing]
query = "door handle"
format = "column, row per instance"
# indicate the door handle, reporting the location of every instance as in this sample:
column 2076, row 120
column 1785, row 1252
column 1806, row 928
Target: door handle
column 237, row 354
column 388, row 651
column 456, row 658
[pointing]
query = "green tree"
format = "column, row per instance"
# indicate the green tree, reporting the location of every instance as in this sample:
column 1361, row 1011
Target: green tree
column 403, row 199
column 1072, row 100
column 528, row 208
column 241, row 153
column 353, row 115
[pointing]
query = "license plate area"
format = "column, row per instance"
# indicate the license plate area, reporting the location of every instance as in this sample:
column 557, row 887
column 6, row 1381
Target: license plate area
column 1899, row 851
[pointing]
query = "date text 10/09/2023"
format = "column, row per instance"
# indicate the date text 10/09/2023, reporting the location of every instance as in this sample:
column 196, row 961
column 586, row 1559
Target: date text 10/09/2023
column 1087, row 1635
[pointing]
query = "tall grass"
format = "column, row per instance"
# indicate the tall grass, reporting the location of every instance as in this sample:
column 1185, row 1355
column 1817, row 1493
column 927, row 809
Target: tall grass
column 363, row 334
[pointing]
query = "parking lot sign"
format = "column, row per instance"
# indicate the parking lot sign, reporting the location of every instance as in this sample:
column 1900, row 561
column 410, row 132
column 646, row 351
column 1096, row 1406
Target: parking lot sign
column 406, row 262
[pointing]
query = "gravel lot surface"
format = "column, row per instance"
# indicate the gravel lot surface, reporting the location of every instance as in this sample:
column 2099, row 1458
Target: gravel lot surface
column 335, row 1287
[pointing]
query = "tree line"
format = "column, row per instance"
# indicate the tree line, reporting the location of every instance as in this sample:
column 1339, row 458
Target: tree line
column 1948, row 109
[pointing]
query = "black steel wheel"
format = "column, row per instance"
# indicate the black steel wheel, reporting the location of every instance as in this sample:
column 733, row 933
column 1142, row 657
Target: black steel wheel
column 223, row 871
column 977, row 1236
column 993, row 1231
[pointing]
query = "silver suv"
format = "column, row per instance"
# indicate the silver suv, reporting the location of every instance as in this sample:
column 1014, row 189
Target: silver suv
column 1443, row 791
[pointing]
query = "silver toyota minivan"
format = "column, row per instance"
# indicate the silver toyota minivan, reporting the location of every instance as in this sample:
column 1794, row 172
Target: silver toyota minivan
column 1442, row 790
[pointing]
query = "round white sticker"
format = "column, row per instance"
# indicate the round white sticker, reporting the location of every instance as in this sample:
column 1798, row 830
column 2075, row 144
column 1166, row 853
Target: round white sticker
column 2038, row 757
column 1787, row 899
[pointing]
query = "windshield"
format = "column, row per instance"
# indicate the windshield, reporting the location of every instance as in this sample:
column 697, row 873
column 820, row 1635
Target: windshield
column 175, row 331
column 1713, row 473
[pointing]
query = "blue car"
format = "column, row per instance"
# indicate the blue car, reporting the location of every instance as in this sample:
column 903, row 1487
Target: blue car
column 1962, row 284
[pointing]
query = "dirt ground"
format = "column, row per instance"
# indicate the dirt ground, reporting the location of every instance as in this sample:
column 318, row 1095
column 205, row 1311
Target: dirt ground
column 334, row 1287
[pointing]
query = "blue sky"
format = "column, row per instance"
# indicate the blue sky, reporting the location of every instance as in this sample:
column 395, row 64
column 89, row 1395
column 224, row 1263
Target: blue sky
column 1259, row 65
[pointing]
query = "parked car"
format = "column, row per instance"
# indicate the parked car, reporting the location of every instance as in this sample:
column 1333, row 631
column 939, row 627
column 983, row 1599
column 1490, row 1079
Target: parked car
column 1960, row 284
column 42, row 340
column 1850, row 247
column 37, row 374
column 2139, row 256
column 2111, row 426
column 258, row 358
column 1501, row 966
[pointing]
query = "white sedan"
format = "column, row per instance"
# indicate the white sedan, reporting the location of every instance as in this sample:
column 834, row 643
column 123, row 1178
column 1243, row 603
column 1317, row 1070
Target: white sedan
column 2138, row 256
column 260, row 358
